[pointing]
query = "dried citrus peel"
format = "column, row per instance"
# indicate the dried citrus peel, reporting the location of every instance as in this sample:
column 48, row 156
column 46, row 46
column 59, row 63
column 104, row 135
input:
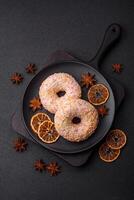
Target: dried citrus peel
column 108, row 154
column 116, row 139
column 37, row 119
column 98, row 94
column 47, row 132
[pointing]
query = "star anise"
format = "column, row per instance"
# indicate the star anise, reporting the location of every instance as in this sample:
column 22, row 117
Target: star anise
column 31, row 68
column 16, row 78
column 102, row 110
column 35, row 104
column 117, row 68
column 39, row 165
column 20, row 144
column 53, row 168
column 87, row 80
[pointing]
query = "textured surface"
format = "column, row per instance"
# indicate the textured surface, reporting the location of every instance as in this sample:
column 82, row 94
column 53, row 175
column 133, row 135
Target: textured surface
column 80, row 109
column 29, row 32
column 55, row 83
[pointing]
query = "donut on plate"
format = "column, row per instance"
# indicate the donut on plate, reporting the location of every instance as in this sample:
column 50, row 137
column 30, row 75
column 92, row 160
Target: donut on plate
column 76, row 120
column 58, row 87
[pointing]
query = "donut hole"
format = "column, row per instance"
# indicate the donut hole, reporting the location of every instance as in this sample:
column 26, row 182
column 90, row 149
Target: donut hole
column 61, row 93
column 76, row 120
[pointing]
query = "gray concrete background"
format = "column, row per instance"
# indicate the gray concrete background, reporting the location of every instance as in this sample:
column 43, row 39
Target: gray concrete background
column 29, row 32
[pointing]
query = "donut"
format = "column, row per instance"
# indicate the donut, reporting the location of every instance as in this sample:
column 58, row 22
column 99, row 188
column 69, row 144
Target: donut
column 58, row 87
column 76, row 120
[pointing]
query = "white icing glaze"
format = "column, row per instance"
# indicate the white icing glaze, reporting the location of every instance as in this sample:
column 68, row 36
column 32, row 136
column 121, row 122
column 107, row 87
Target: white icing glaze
column 76, row 108
column 55, row 83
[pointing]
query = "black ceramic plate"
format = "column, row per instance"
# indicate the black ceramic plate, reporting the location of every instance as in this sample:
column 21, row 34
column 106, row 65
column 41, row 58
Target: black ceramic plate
column 76, row 69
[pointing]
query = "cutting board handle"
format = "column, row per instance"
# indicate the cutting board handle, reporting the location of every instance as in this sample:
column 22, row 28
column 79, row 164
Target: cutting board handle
column 111, row 35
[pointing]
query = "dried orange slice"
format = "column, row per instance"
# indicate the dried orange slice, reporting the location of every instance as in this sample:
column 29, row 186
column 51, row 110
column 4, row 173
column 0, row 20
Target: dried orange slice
column 37, row 119
column 108, row 154
column 116, row 139
column 98, row 94
column 47, row 132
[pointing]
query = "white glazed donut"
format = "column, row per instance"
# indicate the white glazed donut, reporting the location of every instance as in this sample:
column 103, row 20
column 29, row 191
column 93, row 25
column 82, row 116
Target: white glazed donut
column 67, row 116
column 55, row 83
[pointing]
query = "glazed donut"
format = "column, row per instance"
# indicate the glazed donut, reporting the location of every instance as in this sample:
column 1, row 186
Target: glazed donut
column 76, row 120
column 58, row 87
